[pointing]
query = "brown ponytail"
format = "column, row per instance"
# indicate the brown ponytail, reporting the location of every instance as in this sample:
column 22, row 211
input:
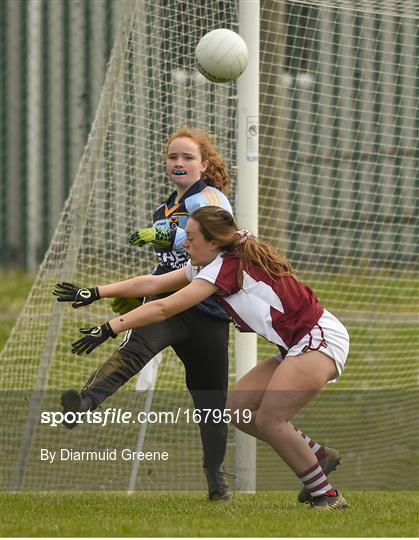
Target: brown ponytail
column 263, row 256
column 215, row 174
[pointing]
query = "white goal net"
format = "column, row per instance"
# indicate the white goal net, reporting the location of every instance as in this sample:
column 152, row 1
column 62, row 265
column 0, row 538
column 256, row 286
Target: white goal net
column 338, row 195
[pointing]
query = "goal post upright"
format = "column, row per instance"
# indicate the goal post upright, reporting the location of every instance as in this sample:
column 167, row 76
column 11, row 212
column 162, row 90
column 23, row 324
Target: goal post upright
column 247, row 213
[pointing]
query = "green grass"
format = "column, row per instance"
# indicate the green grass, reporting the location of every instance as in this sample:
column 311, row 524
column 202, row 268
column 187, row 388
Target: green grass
column 14, row 288
column 375, row 514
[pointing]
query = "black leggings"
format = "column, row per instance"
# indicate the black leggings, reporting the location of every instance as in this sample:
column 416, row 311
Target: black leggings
column 201, row 342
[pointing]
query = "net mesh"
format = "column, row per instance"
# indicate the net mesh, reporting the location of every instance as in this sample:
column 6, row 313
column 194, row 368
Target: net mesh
column 337, row 195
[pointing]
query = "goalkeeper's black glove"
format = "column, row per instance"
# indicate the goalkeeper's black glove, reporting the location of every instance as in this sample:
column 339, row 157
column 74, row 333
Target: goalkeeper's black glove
column 158, row 236
column 67, row 292
column 94, row 336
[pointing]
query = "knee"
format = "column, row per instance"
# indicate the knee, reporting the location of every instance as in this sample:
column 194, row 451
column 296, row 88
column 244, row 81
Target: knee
column 269, row 422
column 233, row 406
column 237, row 403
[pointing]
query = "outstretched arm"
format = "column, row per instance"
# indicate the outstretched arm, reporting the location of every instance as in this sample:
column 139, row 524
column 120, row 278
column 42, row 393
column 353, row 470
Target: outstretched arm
column 152, row 312
column 148, row 285
column 164, row 308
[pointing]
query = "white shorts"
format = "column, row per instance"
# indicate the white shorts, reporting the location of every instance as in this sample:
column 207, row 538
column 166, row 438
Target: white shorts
column 328, row 336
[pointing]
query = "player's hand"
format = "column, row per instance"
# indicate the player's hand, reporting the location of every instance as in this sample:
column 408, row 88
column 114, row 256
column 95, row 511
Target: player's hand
column 124, row 305
column 94, row 337
column 158, row 236
column 67, row 292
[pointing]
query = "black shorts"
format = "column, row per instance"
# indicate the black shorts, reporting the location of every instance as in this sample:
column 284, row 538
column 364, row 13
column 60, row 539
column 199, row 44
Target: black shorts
column 198, row 339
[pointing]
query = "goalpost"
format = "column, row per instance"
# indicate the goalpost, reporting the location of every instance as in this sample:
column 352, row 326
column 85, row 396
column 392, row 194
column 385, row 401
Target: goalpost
column 246, row 211
column 337, row 194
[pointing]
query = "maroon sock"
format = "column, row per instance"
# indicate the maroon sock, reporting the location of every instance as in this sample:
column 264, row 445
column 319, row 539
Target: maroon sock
column 317, row 448
column 316, row 481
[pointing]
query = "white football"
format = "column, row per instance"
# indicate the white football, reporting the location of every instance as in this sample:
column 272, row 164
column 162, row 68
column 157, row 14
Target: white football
column 221, row 55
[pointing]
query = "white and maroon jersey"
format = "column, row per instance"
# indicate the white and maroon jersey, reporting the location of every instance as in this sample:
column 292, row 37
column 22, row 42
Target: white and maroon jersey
column 282, row 310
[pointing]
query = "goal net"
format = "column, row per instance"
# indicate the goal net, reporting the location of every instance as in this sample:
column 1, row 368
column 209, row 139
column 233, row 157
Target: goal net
column 336, row 195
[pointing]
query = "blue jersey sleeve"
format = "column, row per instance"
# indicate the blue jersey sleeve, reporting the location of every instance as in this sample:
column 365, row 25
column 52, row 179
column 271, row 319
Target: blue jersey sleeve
column 207, row 197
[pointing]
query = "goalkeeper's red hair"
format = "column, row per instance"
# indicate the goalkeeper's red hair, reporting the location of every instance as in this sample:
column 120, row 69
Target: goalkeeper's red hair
column 218, row 225
column 215, row 174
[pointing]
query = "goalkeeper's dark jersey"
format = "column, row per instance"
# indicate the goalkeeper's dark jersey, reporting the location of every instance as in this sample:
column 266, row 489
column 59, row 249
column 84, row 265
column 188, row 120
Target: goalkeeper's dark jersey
column 175, row 216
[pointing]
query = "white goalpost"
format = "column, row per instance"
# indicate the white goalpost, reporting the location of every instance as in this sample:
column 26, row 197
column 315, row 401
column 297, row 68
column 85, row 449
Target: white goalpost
column 247, row 210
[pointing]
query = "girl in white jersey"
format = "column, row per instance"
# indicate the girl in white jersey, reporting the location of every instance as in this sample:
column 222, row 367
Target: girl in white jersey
column 260, row 292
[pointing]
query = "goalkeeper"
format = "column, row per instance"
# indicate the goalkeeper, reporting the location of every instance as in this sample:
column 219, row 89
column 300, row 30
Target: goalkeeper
column 199, row 336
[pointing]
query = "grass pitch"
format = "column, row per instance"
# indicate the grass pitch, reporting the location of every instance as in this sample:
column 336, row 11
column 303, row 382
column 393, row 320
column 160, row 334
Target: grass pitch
column 14, row 288
column 376, row 514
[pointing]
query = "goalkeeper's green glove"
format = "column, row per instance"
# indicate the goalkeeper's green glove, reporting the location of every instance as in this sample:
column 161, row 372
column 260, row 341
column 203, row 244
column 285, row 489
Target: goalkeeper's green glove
column 158, row 236
column 67, row 292
column 124, row 305
column 94, row 337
